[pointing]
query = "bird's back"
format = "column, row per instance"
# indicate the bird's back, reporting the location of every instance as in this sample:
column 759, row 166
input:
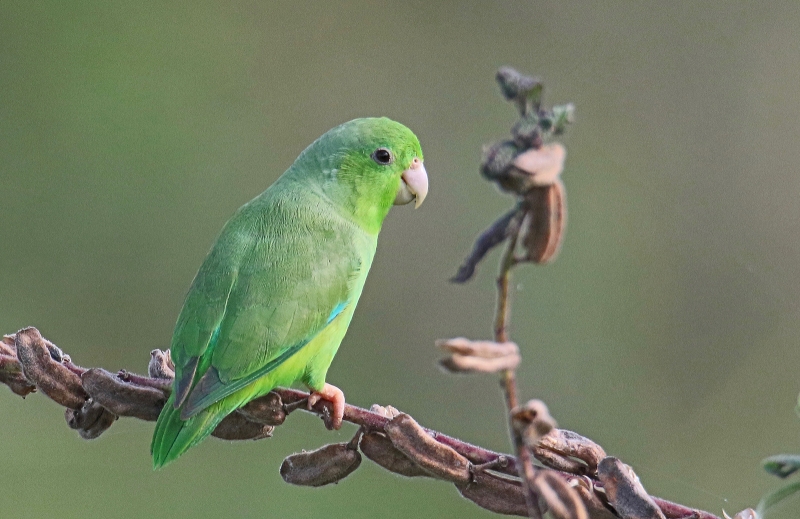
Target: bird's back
column 284, row 266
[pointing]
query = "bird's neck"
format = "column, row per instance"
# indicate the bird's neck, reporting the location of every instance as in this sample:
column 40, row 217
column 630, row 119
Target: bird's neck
column 365, row 210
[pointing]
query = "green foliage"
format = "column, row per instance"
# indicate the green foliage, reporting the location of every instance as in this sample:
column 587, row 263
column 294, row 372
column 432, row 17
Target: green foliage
column 782, row 466
column 776, row 496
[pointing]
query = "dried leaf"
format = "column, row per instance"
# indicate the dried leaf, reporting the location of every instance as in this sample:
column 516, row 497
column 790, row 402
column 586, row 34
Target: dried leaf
column 496, row 164
column 123, row 398
column 91, row 420
column 489, row 239
column 524, row 91
column 437, row 459
column 323, row 466
column 50, row 377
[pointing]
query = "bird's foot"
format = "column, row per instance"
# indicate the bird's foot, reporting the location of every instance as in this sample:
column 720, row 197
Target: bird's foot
column 335, row 396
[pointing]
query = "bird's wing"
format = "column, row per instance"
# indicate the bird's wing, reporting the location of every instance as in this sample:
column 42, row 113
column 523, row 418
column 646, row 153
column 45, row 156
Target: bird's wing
column 261, row 295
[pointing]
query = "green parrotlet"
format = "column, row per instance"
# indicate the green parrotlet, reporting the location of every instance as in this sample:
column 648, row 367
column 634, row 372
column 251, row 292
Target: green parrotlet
column 275, row 295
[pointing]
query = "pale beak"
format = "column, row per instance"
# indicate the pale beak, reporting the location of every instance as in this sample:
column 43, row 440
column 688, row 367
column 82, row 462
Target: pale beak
column 413, row 185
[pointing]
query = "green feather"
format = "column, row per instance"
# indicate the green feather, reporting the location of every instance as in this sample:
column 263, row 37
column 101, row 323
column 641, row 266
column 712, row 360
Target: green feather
column 276, row 293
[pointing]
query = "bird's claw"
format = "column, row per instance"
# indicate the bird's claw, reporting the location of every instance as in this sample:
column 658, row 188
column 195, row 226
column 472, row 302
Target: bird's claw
column 335, row 396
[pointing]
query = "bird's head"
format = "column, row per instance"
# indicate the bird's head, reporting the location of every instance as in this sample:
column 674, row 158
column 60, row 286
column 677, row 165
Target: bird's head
column 367, row 165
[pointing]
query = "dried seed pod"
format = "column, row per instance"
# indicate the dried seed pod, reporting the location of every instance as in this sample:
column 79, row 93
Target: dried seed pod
column 625, row 492
column 56, row 353
column 542, row 166
column 380, row 449
column 91, row 420
column 542, row 229
column 84, row 417
column 67, row 363
column 103, row 423
column 437, row 459
column 123, row 398
column 325, row 465
column 465, row 364
column 562, row 500
column 7, row 346
column 160, row 365
column 595, row 507
column 484, row 349
column 560, row 462
column 237, row 427
column 50, row 377
column 11, row 375
column 532, row 421
column 570, row 444
column 18, row 384
column 387, row 412
column 267, row 410
column 494, row 493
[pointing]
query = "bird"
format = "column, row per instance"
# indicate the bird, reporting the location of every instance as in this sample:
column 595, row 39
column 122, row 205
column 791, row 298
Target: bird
column 275, row 295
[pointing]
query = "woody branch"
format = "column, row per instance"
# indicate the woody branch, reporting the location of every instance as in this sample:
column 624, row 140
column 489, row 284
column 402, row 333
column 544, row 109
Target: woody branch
column 95, row 398
column 574, row 479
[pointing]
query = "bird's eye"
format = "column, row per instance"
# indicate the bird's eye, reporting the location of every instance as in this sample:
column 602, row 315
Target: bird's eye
column 382, row 156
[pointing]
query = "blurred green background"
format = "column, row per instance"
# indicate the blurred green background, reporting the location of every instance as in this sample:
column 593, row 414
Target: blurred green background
column 667, row 330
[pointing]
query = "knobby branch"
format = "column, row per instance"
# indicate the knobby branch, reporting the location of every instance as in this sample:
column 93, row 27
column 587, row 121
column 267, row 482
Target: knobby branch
column 574, row 478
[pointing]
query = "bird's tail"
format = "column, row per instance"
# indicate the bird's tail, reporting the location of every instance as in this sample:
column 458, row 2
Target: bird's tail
column 173, row 436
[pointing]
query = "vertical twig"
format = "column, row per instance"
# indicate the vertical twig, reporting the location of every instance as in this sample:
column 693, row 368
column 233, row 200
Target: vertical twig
column 502, row 314
column 503, row 282
column 509, row 382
